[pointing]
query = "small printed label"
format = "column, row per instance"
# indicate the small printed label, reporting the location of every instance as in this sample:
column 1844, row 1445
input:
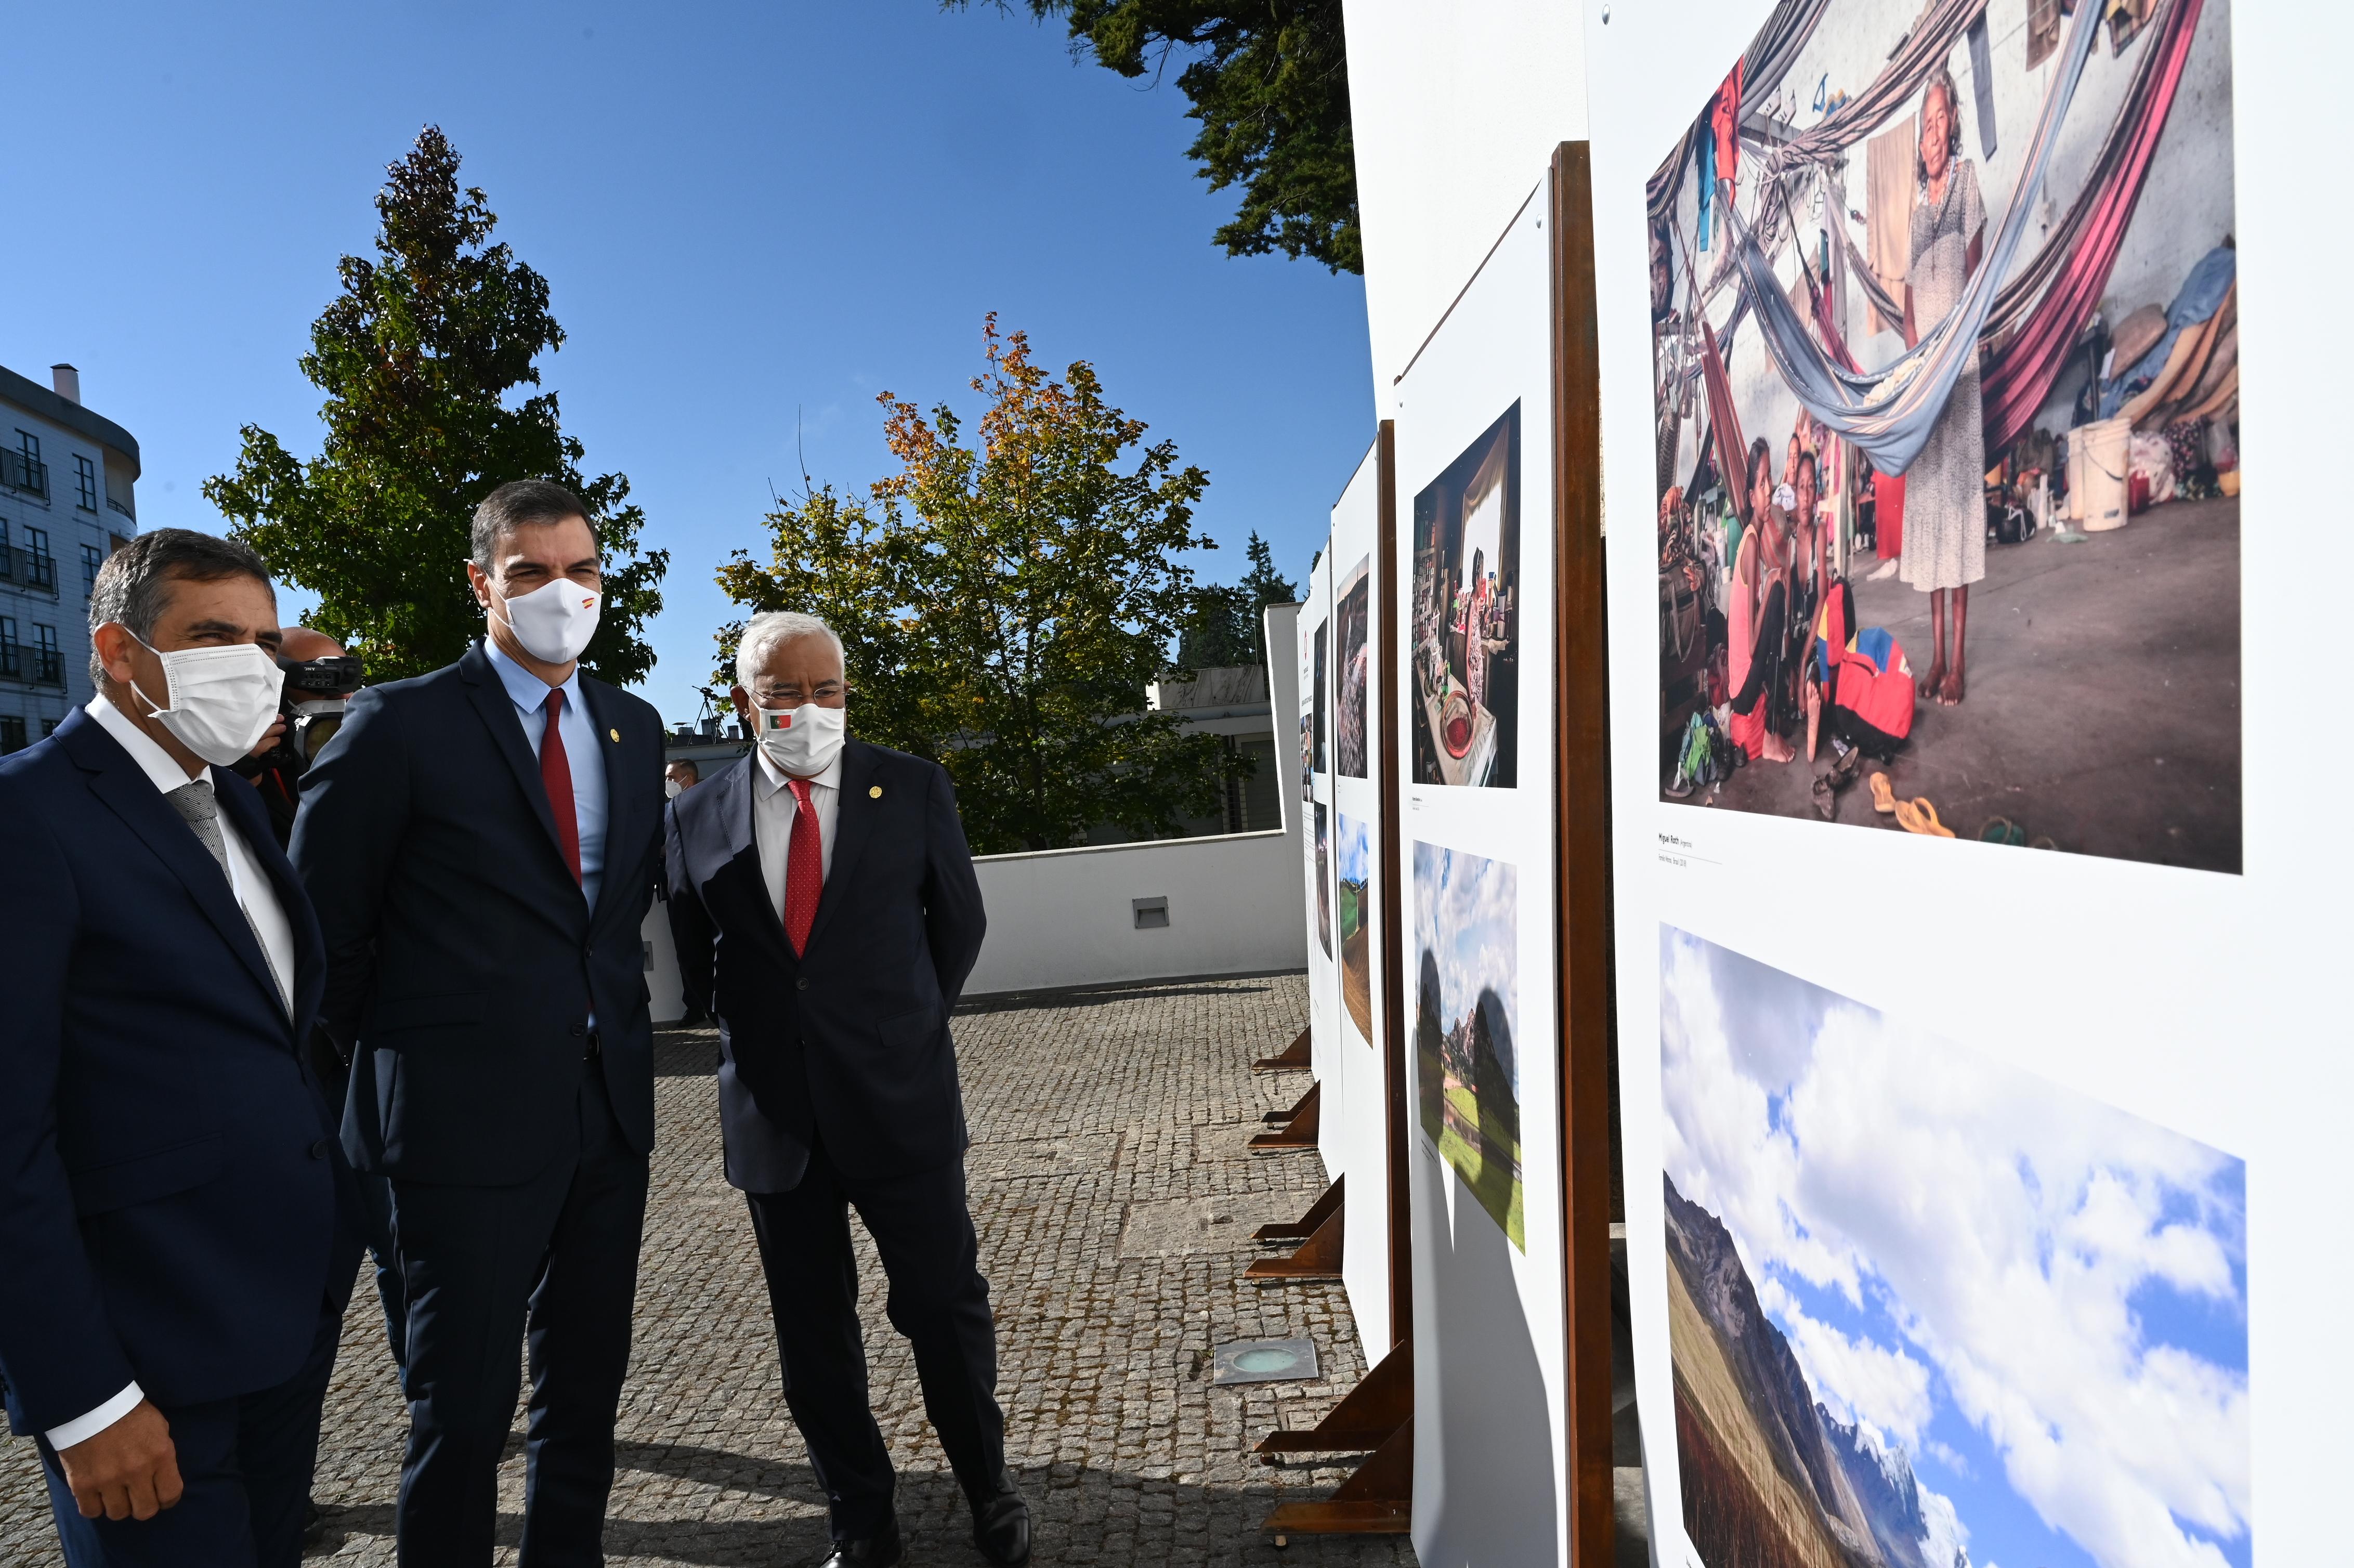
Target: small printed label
column 1677, row 851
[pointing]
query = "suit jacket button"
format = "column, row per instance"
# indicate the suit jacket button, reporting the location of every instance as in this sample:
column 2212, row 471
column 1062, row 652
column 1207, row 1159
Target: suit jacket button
column 319, row 1149
column 802, row 984
column 578, row 1030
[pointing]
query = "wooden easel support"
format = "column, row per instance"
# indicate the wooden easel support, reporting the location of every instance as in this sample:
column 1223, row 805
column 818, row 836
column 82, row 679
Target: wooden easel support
column 1319, row 1256
column 1300, row 1230
column 1301, row 1131
column 1376, row 1500
column 1279, row 1117
column 1382, row 1402
column 1294, row 1058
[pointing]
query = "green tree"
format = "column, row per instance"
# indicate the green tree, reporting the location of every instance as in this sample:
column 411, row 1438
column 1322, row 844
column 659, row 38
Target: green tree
column 417, row 356
column 1004, row 604
column 1269, row 84
column 1227, row 619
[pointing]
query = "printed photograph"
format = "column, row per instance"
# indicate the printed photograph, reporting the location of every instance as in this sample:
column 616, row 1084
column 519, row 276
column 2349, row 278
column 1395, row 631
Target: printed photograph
column 1354, row 603
column 1355, row 898
column 1928, row 1310
column 1467, row 624
column 1307, row 724
column 1324, row 878
column 1945, row 337
column 1321, row 763
column 1466, row 1011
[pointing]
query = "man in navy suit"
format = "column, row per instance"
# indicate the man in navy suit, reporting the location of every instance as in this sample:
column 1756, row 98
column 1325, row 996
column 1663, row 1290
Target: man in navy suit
column 482, row 844
column 827, row 914
column 174, row 1257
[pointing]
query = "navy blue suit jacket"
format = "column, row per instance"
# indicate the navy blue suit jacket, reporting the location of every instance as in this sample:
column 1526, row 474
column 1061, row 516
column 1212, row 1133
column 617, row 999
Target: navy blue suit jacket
column 462, row 959
column 168, row 1181
column 850, row 1042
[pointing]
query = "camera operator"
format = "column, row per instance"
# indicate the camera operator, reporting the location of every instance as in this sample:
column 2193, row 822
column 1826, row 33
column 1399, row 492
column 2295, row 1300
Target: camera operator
column 319, row 679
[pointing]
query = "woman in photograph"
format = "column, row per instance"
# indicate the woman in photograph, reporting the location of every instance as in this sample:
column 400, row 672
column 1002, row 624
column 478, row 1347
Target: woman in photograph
column 1945, row 509
column 1757, row 615
column 1475, row 635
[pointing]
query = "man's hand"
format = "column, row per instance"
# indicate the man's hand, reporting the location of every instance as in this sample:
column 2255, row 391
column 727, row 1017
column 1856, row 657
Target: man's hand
column 271, row 738
column 127, row 1471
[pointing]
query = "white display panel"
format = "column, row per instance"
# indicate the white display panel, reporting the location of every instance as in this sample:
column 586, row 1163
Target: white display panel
column 2022, row 1156
column 1355, row 1097
column 1476, row 863
column 1314, row 764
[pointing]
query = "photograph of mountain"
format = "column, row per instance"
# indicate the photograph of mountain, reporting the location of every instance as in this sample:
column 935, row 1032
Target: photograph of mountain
column 1928, row 1310
column 1467, row 1023
column 1354, row 611
column 1324, row 877
column 1356, row 850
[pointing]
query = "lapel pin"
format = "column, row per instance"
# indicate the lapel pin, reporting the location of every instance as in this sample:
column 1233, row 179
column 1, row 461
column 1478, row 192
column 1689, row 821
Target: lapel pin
column 875, row 793
column 613, row 735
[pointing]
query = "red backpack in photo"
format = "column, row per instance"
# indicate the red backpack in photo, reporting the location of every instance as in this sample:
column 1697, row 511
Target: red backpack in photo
column 1867, row 686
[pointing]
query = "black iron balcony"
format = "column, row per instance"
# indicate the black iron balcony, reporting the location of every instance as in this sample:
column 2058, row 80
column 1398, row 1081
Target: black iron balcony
column 20, row 471
column 12, row 661
column 48, row 667
column 22, row 568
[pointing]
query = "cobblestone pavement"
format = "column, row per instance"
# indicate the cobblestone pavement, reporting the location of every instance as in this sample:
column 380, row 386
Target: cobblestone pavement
column 1115, row 1201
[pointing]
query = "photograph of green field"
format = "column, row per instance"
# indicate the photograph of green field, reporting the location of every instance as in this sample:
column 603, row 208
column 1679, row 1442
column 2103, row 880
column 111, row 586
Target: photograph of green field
column 1356, row 851
column 1466, row 1012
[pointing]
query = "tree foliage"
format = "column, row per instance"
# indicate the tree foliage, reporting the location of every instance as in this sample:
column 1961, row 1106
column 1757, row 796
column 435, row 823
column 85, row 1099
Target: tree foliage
column 1228, row 618
column 417, row 356
column 1269, row 84
column 1002, row 605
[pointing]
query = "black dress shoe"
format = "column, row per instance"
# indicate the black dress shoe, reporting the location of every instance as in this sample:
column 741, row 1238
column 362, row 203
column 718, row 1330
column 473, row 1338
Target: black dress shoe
column 1001, row 1524
column 880, row 1550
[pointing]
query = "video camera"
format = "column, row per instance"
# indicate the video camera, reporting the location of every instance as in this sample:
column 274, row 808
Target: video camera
column 313, row 699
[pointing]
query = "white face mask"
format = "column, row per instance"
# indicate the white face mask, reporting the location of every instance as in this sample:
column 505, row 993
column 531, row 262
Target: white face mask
column 554, row 621
column 802, row 741
column 673, row 788
column 219, row 701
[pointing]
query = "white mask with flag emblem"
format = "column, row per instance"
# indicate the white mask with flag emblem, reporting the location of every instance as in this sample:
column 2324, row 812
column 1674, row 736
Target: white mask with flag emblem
column 804, row 741
column 555, row 622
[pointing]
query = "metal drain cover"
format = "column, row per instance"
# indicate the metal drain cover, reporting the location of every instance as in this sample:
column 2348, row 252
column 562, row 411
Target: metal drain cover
column 1266, row 1360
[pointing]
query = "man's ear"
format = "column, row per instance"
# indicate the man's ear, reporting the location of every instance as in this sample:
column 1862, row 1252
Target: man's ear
column 742, row 699
column 480, row 581
column 113, row 641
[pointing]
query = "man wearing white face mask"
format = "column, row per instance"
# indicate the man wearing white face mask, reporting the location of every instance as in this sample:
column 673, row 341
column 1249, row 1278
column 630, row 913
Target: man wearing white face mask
column 827, row 914
column 481, row 843
column 174, row 1247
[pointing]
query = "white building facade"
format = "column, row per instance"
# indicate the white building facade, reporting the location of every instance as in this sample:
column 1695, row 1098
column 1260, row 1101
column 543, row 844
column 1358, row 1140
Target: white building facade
column 66, row 503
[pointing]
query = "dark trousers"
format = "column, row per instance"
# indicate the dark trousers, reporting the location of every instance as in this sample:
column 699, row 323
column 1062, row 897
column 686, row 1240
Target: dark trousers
column 246, row 1466
column 553, row 1260
column 1766, row 663
column 937, row 1300
column 375, row 1207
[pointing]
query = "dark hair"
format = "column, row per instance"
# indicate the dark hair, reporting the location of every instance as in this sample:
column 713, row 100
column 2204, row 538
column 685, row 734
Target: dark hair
column 1807, row 462
column 1941, row 82
column 1759, row 452
column 691, row 770
column 521, row 503
column 132, row 584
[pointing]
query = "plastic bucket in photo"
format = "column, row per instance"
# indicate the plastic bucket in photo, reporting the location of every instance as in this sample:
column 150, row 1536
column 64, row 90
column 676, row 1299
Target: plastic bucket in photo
column 2097, row 474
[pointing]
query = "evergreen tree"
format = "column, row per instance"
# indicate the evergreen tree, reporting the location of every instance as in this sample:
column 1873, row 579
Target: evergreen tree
column 417, row 356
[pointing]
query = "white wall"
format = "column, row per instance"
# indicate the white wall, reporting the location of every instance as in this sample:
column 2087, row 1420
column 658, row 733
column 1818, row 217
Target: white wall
column 1457, row 109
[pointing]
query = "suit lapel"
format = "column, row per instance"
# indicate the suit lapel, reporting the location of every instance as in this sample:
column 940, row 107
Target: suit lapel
column 623, row 822
column 308, row 981
column 131, row 795
column 489, row 696
column 740, row 867
column 854, row 822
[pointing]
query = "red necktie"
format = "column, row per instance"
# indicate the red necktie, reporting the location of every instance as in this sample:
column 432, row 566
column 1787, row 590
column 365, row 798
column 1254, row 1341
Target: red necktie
column 804, row 868
column 556, row 777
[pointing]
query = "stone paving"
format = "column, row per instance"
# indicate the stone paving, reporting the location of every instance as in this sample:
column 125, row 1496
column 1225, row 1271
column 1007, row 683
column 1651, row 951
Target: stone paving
column 1115, row 1201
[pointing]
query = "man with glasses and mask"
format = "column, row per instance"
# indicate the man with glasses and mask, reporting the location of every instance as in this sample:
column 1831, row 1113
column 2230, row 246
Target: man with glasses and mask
column 174, row 1256
column 827, row 914
column 482, row 843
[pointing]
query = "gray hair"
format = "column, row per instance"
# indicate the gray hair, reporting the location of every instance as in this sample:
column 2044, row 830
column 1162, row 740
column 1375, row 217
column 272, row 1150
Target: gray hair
column 134, row 584
column 767, row 629
column 521, row 503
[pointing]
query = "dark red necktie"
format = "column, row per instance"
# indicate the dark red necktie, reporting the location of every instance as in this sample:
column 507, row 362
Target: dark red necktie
column 804, row 868
column 556, row 777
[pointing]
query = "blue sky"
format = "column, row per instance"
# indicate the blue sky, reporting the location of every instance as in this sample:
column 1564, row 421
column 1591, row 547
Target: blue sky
column 1467, row 912
column 2041, row 1299
column 747, row 215
column 1355, row 846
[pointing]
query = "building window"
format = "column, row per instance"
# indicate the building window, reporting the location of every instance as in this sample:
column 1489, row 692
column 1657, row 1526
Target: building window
column 12, row 656
column 91, row 558
column 12, row 733
column 29, row 445
column 85, row 484
column 48, row 662
column 41, row 569
column 49, row 728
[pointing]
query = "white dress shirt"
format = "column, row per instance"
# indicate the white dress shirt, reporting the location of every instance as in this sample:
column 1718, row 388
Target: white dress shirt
column 249, row 883
column 583, row 753
column 773, row 808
